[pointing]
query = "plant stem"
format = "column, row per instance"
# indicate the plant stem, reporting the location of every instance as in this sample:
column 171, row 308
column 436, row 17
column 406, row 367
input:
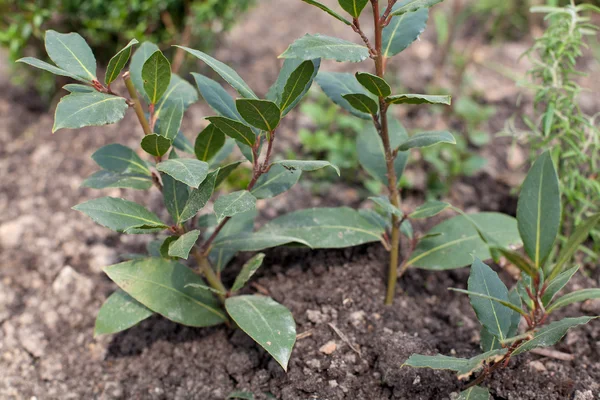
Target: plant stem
column 137, row 105
column 213, row 280
column 394, row 194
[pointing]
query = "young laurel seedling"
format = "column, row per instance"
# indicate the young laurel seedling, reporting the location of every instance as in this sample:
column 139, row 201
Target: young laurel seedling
column 534, row 297
column 162, row 284
column 383, row 150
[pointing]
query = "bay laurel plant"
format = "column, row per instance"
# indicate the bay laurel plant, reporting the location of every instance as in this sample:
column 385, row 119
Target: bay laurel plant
column 163, row 283
column 383, row 150
column 535, row 297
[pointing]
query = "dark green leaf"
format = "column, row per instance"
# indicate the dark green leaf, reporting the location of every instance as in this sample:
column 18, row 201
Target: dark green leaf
column 574, row 297
column 88, row 109
column 156, row 145
column 175, row 197
column 278, row 180
column 475, row 364
column 189, row 171
column 116, row 64
column 459, row 241
column 374, row 84
column 518, row 261
column 418, row 99
column 306, row 165
column 436, row 362
column 429, row 209
column 297, row 84
column 262, row 114
column 489, row 342
column 170, row 120
column 474, row 393
column 178, row 91
column 426, row 139
column 353, row 7
column 140, row 56
column 309, row 47
column 515, row 319
column 182, row 143
column 34, row 62
column 362, row 103
column 198, row 197
column 371, row 154
column 225, row 171
column 118, row 313
column 108, row 179
column 234, row 203
column 161, row 285
column 183, row 245
column 70, row 52
column 234, row 129
column 403, row 31
column 156, row 74
column 164, row 247
column 238, row 224
column 538, row 210
column 328, row 11
column 407, row 230
column 270, row 324
column 247, row 271
column 208, row 143
column 118, row 214
column 226, row 72
column 78, row 88
column 557, row 284
column 217, row 97
column 551, row 334
column 337, row 84
column 414, row 5
column 118, row 158
column 388, row 207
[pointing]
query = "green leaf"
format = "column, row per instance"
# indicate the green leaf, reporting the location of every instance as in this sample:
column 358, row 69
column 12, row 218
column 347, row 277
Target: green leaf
column 427, row 139
column 178, row 91
column 156, row 145
column 262, row 114
column 278, row 180
column 118, row 313
column 336, row 85
column 108, row 179
column 436, row 362
column 538, row 209
column 551, row 334
column 309, row 47
column 238, row 224
column 240, row 395
column 418, row 99
column 297, row 84
column 189, row 171
column 140, row 56
column 77, row 110
column 270, row 324
column 225, row 171
column 208, row 143
column 198, row 197
column 170, row 121
column 328, row 11
column 362, row 103
column 567, row 251
column 474, row 393
column 414, row 5
column 306, row 165
column 402, row 31
column 388, row 207
column 182, row 143
column 489, row 342
column 175, row 197
column 371, row 154
column 320, row 228
column 429, row 209
column 374, row 84
column 183, row 245
column 118, row 214
column 475, row 364
column 247, row 271
column 518, row 261
column 160, row 285
column 117, row 63
column 118, row 158
column 459, row 241
column 156, row 74
column 515, row 319
column 34, row 62
column 217, row 98
column 226, row 72
column 234, row 203
column 70, row 52
column 353, row 7
column 557, row 284
column 407, row 230
column 574, row 297
column 164, row 247
column 234, row 129
column 78, row 88
column 496, row 318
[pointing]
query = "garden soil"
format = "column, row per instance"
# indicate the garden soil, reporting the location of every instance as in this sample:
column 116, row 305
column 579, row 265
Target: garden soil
column 350, row 346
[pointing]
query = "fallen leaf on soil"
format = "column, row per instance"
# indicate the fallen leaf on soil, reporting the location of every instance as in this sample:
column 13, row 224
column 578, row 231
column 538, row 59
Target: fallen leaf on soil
column 328, row 347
